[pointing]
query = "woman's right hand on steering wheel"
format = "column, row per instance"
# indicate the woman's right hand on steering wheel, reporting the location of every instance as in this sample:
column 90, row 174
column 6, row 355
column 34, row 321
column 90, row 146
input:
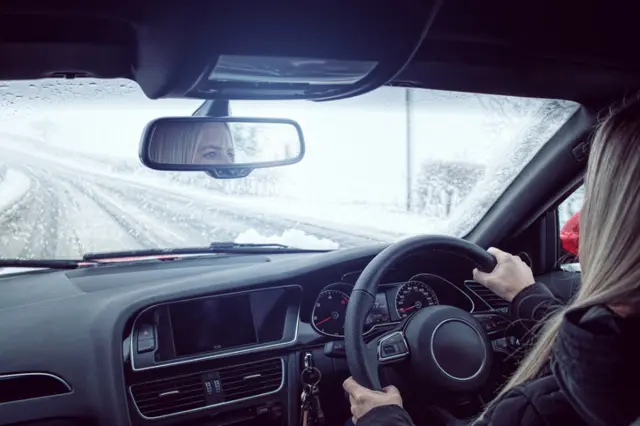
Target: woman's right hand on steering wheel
column 510, row 276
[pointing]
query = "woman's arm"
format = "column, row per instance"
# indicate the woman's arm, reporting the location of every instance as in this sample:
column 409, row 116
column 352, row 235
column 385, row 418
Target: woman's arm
column 529, row 308
column 529, row 302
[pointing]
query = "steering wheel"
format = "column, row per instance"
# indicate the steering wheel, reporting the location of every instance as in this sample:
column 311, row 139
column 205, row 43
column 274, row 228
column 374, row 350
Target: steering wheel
column 446, row 346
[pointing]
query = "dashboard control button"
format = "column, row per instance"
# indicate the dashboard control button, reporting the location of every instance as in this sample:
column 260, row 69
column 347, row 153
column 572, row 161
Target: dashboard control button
column 146, row 345
column 146, row 332
column 335, row 349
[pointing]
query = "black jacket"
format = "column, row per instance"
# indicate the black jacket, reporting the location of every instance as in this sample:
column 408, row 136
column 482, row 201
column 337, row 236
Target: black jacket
column 592, row 379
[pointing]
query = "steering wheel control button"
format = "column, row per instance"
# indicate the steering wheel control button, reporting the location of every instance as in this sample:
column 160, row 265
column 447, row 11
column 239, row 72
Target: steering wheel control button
column 493, row 324
column 392, row 347
column 146, row 345
column 146, row 332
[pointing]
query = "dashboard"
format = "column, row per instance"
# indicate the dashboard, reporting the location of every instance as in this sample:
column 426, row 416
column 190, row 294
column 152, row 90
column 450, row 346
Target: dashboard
column 211, row 340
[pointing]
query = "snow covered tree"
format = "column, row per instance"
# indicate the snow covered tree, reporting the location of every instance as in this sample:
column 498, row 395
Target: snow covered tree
column 246, row 139
column 443, row 185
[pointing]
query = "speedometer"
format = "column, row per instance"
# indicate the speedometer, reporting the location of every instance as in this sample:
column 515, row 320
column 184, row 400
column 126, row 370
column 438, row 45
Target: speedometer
column 413, row 296
column 329, row 312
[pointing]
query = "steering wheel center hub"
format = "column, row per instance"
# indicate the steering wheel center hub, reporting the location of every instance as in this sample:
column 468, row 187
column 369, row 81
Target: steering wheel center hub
column 449, row 347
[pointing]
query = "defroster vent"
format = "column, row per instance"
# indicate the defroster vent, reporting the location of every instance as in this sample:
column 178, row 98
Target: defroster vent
column 494, row 301
column 167, row 397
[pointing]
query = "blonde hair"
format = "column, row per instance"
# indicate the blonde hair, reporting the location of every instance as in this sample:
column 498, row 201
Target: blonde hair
column 609, row 250
column 167, row 151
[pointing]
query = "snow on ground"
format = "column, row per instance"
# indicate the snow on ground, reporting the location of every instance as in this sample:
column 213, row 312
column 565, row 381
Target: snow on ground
column 364, row 219
column 13, row 187
column 290, row 237
column 6, row 271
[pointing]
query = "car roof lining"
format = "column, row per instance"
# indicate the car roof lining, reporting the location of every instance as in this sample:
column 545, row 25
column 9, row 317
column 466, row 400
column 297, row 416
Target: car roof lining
column 571, row 50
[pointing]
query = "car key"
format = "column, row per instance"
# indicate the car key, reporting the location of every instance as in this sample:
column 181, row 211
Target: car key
column 310, row 377
column 305, row 402
column 318, row 414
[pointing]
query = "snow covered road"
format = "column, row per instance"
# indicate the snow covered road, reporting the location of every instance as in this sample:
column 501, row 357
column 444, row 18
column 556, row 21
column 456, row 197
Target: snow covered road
column 63, row 214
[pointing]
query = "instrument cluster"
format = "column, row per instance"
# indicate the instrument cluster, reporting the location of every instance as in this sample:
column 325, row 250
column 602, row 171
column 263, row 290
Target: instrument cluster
column 394, row 302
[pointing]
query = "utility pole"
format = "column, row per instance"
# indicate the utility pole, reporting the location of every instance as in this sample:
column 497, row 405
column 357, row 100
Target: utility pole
column 408, row 104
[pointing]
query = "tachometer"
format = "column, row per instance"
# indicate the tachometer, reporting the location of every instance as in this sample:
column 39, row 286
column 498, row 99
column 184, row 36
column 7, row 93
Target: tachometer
column 329, row 312
column 413, row 296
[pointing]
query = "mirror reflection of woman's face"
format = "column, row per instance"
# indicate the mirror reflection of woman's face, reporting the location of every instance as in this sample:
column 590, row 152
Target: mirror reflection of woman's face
column 214, row 145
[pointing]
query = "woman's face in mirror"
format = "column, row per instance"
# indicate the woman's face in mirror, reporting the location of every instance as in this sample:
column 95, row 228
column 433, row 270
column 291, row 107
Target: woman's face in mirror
column 214, row 145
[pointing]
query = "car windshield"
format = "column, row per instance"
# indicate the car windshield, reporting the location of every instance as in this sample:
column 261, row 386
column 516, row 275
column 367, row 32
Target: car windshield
column 379, row 167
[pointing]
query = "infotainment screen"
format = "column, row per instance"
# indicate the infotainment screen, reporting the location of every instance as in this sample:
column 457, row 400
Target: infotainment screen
column 222, row 322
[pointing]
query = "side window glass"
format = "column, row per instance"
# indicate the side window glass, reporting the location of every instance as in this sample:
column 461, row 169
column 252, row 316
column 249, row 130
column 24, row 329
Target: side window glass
column 570, row 206
column 569, row 220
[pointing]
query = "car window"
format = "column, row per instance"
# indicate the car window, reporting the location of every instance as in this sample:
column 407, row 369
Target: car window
column 389, row 164
column 568, row 221
column 570, row 206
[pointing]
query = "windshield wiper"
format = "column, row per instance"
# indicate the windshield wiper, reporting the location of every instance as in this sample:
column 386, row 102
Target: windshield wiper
column 43, row 263
column 213, row 248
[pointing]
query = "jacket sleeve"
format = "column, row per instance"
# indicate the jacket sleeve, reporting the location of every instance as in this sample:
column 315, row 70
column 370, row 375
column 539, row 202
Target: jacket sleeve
column 529, row 308
column 514, row 408
column 386, row 415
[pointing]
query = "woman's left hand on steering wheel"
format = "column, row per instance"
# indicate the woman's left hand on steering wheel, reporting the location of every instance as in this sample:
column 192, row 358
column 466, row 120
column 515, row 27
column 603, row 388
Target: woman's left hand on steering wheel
column 363, row 400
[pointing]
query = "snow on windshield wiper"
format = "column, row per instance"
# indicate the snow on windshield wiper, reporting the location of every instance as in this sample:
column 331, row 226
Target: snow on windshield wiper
column 213, row 248
column 221, row 245
column 44, row 263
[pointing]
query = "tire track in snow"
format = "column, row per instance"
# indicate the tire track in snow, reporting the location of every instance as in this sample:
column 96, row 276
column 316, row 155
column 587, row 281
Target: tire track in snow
column 206, row 218
column 43, row 238
column 29, row 228
column 141, row 233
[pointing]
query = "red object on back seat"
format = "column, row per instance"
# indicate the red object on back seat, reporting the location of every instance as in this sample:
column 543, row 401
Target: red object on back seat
column 570, row 234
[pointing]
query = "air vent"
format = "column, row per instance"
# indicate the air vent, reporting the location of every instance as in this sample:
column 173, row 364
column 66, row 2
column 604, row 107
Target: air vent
column 208, row 388
column 244, row 381
column 170, row 396
column 21, row 386
column 494, row 301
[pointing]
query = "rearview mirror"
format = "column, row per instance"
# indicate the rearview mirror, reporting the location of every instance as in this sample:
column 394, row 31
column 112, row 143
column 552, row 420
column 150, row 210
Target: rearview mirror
column 227, row 147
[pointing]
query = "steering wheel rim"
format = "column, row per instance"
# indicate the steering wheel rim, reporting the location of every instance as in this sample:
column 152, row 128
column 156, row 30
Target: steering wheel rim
column 363, row 368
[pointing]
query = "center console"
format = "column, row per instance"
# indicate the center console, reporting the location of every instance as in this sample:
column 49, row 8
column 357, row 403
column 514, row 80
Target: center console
column 226, row 351
column 214, row 327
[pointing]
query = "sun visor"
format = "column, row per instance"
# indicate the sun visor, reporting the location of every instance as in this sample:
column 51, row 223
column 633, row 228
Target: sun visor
column 304, row 51
column 292, row 71
column 251, row 77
